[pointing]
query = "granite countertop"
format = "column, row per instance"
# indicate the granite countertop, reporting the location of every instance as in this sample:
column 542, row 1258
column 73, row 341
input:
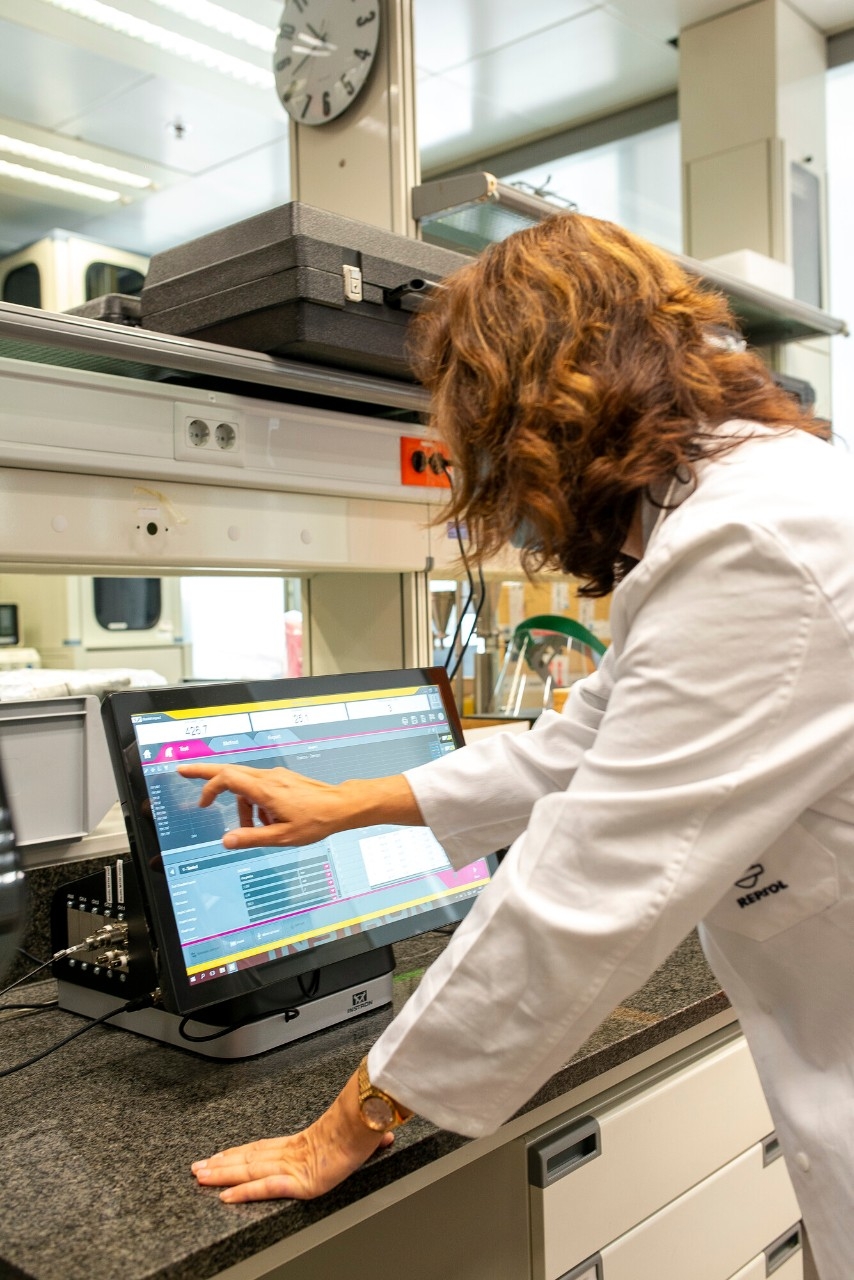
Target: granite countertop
column 98, row 1137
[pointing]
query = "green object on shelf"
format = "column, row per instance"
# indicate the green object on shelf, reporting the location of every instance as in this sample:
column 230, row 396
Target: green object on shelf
column 526, row 684
column 561, row 626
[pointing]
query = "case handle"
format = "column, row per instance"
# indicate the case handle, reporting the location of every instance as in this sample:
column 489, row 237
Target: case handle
column 409, row 295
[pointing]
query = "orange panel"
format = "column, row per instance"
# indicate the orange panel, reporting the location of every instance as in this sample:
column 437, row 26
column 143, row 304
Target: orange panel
column 422, row 463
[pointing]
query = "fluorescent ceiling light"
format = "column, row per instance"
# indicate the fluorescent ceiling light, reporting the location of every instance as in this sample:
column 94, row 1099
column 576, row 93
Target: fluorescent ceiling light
column 215, row 17
column 161, row 38
column 21, row 173
column 76, row 164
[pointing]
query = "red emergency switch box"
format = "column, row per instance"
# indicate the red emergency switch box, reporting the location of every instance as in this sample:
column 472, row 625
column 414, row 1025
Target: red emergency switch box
column 423, row 463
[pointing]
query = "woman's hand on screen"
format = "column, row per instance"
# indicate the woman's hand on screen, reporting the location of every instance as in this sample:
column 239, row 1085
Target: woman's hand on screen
column 274, row 806
column 282, row 807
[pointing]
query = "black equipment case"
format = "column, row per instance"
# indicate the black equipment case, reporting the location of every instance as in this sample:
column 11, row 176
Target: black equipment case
column 115, row 308
column 298, row 282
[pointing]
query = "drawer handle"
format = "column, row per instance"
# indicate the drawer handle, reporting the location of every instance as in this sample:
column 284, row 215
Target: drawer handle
column 572, row 1146
column 590, row 1269
column 771, row 1150
column 782, row 1249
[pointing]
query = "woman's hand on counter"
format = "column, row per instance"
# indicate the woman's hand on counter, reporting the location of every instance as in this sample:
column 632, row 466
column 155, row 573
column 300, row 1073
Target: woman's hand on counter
column 299, row 1167
column 282, row 807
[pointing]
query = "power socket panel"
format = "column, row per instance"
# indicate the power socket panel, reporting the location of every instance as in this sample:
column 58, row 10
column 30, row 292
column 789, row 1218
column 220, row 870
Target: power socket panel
column 208, row 436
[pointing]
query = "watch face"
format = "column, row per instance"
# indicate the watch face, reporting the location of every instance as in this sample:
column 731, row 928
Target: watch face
column 324, row 52
column 377, row 1113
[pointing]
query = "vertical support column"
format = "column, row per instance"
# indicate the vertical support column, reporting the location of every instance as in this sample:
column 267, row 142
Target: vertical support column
column 752, row 112
column 364, row 164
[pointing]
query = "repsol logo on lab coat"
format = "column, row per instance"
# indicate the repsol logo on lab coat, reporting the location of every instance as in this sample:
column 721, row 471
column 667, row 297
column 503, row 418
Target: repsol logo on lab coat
column 750, row 880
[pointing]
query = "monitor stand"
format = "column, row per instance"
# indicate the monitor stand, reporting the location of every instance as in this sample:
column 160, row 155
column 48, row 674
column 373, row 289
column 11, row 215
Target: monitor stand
column 290, row 1022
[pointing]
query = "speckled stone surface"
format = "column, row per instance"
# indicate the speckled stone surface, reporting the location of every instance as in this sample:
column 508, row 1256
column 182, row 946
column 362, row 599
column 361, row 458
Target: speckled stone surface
column 98, row 1137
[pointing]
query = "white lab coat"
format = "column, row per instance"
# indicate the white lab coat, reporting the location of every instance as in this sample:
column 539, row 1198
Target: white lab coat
column 715, row 745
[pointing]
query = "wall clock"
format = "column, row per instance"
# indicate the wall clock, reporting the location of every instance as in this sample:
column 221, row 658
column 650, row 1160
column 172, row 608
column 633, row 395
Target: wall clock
column 324, row 52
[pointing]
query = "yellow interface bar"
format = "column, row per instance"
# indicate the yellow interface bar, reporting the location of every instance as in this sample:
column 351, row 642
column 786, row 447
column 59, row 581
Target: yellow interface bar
column 339, row 924
column 286, row 703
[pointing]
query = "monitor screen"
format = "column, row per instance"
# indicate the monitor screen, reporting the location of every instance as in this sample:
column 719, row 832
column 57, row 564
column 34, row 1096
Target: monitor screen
column 225, row 920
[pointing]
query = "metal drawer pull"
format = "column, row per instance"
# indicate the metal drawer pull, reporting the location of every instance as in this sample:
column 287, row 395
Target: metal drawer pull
column 771, row 1150
column 554, row 1157
column 591, row 1269
column 782, row 1249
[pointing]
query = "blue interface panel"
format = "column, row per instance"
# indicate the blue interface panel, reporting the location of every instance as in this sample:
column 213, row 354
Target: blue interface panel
column 239, row 908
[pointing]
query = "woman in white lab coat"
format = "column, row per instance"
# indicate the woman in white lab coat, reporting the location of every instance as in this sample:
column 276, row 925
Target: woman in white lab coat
column 705, row 774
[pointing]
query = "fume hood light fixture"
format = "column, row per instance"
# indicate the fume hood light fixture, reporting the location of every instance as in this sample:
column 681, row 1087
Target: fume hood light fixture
column 471, row 210
column 41, row 178
column 74, row 164
column 204, row 55
column 215, row 18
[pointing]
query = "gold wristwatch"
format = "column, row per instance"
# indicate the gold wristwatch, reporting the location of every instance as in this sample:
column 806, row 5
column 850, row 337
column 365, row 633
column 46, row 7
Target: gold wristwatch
column 378, row 1109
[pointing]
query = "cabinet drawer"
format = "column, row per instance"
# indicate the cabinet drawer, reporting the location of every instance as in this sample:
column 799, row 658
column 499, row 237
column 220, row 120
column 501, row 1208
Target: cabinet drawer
column 784, row 1260
column 594, row 1179
column 709, row 1231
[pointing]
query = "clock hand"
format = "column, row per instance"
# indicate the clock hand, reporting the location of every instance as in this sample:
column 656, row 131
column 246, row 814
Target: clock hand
column 316, row 34
column 314, row 46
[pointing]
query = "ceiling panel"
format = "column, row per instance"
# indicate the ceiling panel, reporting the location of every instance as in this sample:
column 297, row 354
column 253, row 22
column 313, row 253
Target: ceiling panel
column 44, row 81
column 666, row 18
column 592, row 64
column 448, row 32
column 492, row 73
column 455, row 122
column 827, row 15
column 142, row 121
column 260, row 180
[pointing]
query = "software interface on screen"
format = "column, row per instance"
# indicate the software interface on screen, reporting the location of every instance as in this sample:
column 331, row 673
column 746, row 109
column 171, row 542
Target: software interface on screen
column 238, row 908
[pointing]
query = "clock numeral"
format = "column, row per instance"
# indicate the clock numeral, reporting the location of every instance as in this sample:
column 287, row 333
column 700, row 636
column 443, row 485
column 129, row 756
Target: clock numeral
column 288, row 30
column 363, row 54
column 364, row 18
column 348, row 85
column 301, row 5
column 306, row 107
column 327, row 102
column 282, row 63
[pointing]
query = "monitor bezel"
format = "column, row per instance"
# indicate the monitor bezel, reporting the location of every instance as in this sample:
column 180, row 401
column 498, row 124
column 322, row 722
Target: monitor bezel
column 118, row 710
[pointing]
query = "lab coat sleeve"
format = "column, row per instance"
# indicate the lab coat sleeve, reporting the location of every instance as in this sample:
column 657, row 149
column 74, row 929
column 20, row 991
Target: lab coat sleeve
column 717, row 734
column 480, row 798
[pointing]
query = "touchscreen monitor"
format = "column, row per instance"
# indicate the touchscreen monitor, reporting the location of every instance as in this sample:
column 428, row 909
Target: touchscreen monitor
column 228, row 922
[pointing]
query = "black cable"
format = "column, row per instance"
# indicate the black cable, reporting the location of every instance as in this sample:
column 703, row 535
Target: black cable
column 447, row 470
column 215, row 1035
column 37, row 960
column 225, row 1031
column 478, row 610
column 142, row 1002
column 26, row 977
column 310, row 988
column 482, row 585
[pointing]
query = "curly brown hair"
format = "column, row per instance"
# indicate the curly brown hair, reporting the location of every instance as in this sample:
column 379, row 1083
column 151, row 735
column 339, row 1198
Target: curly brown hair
column 571, row 370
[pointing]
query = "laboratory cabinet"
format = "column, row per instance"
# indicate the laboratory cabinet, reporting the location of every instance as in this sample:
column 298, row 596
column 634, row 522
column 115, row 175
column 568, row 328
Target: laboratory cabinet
column 655, row 1171
column 673, row 1173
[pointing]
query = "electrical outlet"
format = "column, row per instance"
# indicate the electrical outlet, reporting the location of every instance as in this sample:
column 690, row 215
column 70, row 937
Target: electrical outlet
column 209, row 436
column 422, row 463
